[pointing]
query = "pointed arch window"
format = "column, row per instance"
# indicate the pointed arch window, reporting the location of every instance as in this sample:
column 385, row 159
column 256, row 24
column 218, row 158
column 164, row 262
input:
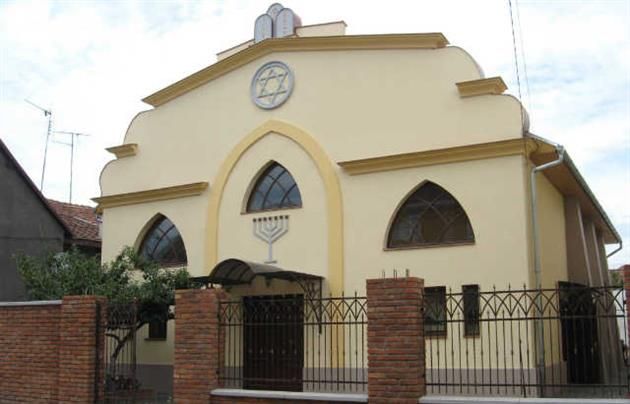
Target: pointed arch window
column 163, row 244
column 430, row 216
column 274, row 189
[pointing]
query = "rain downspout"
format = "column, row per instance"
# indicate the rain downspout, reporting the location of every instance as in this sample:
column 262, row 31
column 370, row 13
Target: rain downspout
column 532, row 182
column 540, row 345
column 616, row 250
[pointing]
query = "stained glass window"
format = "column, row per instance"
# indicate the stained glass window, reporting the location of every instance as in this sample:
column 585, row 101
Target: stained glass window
column 274, row 189
column 430, row 216
column 163, row 244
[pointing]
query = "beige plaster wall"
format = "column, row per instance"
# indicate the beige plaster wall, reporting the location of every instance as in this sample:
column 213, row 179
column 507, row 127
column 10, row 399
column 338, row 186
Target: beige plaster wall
column 577, row 255
column 155, row 352
column 355, row 103
column 125, row 226
column 552, row 233
column 491, row 194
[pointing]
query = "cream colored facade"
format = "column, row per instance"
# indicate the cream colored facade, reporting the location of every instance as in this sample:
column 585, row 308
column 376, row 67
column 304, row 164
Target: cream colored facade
column 359, row 107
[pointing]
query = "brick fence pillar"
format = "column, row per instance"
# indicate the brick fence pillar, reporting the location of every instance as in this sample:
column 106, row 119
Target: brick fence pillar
column 196, row 344
column 396, row 372
column 81, row 349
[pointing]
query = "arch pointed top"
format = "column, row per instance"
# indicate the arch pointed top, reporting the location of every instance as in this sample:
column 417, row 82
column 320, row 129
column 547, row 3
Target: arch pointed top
column 274, row 188
column 327, row 172
column 429, row 216
column 162, row 243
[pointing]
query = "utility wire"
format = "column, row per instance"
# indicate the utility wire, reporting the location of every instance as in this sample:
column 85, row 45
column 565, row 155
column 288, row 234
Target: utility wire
column 518, row 76
column 520, row 34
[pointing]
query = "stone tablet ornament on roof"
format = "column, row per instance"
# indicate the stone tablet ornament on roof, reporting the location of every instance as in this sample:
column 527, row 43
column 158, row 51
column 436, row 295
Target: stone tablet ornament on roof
column 277, row 22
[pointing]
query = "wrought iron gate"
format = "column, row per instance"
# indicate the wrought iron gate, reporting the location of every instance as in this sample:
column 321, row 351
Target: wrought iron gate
column 120, row 351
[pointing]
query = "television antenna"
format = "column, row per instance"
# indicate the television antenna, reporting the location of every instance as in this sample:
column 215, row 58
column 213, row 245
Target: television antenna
column 48, row 114
column 73, row 136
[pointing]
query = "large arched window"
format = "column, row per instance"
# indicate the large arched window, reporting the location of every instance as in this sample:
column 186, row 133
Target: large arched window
column 163, row 244
column 430, row 216
column 274, row 189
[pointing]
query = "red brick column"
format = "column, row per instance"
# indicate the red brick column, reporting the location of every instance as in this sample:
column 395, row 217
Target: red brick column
column 81, row 349
column 196, row 344
column 395, row 340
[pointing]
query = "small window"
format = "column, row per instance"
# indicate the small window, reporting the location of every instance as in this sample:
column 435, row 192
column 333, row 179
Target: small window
column 163, row 244
column 435, row 311
column 275, row 189
column 430, row 216
column 471, row 310
column 157, row 329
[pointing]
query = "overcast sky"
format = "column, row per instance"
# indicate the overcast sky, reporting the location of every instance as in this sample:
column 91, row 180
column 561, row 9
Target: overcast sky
column 91, row 62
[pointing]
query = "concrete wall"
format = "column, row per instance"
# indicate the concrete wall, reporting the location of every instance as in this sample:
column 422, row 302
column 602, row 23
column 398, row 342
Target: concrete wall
column 26, row 227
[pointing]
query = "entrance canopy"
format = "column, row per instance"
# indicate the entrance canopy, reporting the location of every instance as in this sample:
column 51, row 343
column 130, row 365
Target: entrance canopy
column 238, row 272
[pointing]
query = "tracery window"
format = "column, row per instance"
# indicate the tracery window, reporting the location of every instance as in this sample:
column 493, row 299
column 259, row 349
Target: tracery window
column 163, row 244
column 274, row 189
column 430, row 216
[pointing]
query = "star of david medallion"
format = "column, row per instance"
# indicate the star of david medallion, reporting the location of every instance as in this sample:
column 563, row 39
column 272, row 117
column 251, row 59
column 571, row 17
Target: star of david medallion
column 272, row 85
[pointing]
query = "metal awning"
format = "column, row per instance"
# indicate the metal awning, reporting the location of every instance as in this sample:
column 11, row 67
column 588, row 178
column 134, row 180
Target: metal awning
column 233, row 272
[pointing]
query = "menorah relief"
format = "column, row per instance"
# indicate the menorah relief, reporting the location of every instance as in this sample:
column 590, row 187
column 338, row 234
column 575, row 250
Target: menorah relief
column 270, row 229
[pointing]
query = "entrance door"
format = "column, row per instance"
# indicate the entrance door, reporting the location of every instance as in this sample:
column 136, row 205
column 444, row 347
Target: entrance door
column 580, row 345
column 273, row 342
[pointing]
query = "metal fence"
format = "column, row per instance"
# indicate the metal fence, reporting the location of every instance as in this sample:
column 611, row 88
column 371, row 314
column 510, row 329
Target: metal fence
column 294, row 344
column 564, row 342
column 120, row 350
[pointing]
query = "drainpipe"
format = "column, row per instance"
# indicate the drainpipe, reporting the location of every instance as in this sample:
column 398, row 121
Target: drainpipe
column 532, row 182
column 616, row 250
column 540, row 345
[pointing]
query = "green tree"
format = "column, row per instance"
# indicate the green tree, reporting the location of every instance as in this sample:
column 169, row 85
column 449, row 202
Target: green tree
column 616, row 279
column 128, row 281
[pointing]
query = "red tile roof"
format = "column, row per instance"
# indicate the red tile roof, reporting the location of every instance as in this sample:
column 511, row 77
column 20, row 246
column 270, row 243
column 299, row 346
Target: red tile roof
column 82, row 220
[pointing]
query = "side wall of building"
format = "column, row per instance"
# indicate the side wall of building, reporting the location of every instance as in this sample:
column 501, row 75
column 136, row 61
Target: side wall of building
column 26, row 227
column 552, row 233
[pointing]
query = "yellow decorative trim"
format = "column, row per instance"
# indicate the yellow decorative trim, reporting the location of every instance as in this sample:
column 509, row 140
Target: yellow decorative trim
column 151, row 195
column 124, row 150
column 440, row 156
column 492, row 85
column 345, row 42
column 329, row 177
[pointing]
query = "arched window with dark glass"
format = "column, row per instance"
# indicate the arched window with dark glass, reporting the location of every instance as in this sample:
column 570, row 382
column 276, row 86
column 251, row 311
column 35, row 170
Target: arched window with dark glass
column 274, row 189
column 163, row 244
column 430, row 216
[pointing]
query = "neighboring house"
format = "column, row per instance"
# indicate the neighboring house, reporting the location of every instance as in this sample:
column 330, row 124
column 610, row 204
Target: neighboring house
column 32, row 225
column 337, row 158
column 28, row 224
column 84, row 226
